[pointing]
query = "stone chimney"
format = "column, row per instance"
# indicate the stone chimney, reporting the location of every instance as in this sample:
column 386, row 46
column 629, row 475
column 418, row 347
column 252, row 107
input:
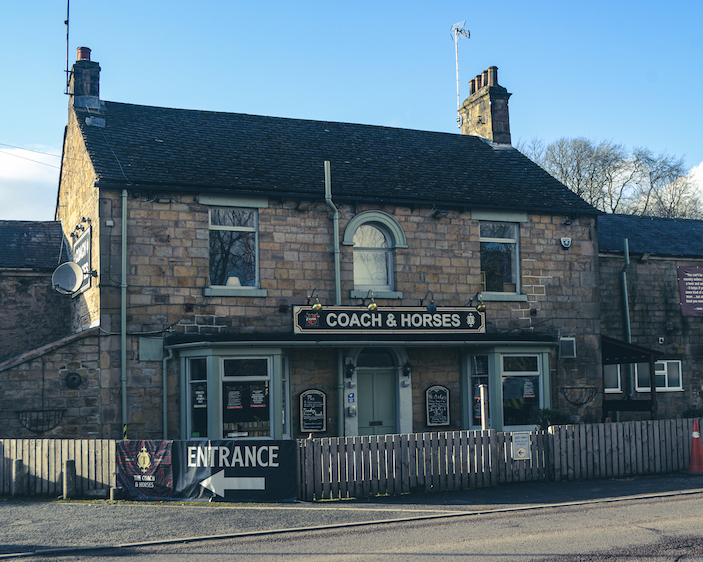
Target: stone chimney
column 84, row 86
column 485, row 112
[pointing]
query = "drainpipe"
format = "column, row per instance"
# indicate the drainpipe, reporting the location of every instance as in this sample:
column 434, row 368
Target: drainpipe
column 626, row 312
column 123, row 314
column 164, row 371
column 338, row 295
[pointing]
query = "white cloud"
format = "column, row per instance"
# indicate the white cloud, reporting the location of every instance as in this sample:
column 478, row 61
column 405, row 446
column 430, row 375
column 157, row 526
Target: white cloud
column 28, row 183
column 696, row 174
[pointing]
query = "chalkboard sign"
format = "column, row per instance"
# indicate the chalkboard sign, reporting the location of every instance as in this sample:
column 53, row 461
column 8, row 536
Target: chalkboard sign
column 437, row 403
column 313, row 411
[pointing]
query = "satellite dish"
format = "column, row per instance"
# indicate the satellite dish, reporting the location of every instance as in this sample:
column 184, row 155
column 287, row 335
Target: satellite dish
column 67, row 278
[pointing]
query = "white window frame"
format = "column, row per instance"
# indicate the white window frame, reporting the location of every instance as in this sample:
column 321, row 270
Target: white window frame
column 539, row 374
column 667, row 388
column 515, row 242
column 613, row 390
column 268, row 378
column 386, row 251
column 253, row 229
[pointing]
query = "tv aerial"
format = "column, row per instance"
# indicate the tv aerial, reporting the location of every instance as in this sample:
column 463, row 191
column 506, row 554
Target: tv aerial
column 457, row 31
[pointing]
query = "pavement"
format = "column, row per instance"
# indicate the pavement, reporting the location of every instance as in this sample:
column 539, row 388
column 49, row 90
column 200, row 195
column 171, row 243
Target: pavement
column 55, row 526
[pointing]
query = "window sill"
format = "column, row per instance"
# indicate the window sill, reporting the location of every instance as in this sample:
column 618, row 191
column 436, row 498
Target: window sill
column 357, row 294
column 233, row 292
column 647, row 391
column 503, row 297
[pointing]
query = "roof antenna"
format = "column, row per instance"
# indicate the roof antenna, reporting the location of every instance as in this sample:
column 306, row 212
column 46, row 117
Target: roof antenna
column 68, row 72
column 458, row 30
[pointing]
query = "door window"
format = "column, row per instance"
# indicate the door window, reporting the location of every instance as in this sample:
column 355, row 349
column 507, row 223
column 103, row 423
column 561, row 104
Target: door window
column 521, row 389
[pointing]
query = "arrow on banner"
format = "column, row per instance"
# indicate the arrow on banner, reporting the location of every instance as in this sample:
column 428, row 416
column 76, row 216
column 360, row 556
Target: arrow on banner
column 218, row 483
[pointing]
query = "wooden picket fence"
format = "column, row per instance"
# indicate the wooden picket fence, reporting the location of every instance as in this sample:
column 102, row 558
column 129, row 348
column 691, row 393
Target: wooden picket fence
column 332, row 468
column 43, row 462
column 347, row 467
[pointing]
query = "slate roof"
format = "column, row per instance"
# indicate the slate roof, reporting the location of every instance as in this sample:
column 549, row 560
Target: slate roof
column 143, row 147
column 32, row 244
column 651, row 235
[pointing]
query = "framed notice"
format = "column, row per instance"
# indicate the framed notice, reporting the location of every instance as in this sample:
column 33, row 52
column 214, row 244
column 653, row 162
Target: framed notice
column 437, row 405
column 691, row 290
column 313, row 411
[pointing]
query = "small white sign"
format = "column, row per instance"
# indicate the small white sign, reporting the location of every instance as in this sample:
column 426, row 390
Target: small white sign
column 521, row 446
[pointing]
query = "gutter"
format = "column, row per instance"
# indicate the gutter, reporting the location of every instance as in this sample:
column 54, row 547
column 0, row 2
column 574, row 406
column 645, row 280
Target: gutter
column 626, row 317
column 164, row 373
column 338, row 295
column 123, row 316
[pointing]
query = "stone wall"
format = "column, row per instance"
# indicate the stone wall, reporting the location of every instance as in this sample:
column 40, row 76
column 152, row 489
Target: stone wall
column 655, row 312
column 36, row 391
column 32, row 312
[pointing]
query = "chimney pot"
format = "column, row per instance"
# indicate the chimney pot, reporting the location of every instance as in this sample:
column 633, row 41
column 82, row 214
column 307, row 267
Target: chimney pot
column 83, row 53
column 479, row 84
column 484, row 79
column 492, row 75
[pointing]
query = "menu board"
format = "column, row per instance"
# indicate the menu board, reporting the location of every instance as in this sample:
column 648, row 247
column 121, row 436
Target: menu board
column 313, row 411
column 437, row 404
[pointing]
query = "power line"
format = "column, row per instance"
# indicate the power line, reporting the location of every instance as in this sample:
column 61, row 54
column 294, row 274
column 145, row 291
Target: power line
column 29, row 159
column 30, row 150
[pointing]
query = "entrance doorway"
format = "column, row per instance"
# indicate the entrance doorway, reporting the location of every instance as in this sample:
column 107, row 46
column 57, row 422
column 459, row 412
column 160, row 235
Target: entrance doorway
column 377, row 407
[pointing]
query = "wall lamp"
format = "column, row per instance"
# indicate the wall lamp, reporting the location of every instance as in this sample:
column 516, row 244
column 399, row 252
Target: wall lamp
column 372, row 305
column 480, row 306
column 349, row 370
column 430, row 307
column 304, row 206
column 317, row 306
column 440, row 214
column 407, row 369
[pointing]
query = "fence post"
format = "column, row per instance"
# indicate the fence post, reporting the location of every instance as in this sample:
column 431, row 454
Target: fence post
column 69, row 479
column 18, row 478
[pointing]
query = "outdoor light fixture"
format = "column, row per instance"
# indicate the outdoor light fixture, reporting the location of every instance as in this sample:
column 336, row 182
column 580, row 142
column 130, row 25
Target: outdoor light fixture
column 349, row 370
column 372, row 305
column 163, row 200
column 430, row 307
column 407, row 369
column 317, row 307
column 304, row 206
column 440, row 213
column 480, row 306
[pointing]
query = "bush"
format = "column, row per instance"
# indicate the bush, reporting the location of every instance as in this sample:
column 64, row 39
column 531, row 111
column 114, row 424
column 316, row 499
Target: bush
column 545, row 417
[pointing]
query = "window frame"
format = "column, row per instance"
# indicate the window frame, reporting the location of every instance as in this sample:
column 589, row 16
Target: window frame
column 385, row 251
column 537, row 374
column 396, row 239
column 666, row 388
column 251, row 229
column 268, row 378
column 612, row 389
column 515, row 243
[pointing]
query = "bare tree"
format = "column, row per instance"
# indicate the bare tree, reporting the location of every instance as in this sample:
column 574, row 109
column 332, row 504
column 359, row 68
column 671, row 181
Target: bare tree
column 614, row 180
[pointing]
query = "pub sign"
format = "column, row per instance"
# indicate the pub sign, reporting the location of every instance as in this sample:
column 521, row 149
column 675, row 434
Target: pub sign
column 396, row 320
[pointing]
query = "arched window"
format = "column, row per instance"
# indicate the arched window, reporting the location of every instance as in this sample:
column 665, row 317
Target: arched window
column 374, row 236
column 373, row 259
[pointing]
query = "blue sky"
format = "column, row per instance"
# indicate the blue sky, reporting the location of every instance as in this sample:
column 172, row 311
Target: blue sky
column 624, row 71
